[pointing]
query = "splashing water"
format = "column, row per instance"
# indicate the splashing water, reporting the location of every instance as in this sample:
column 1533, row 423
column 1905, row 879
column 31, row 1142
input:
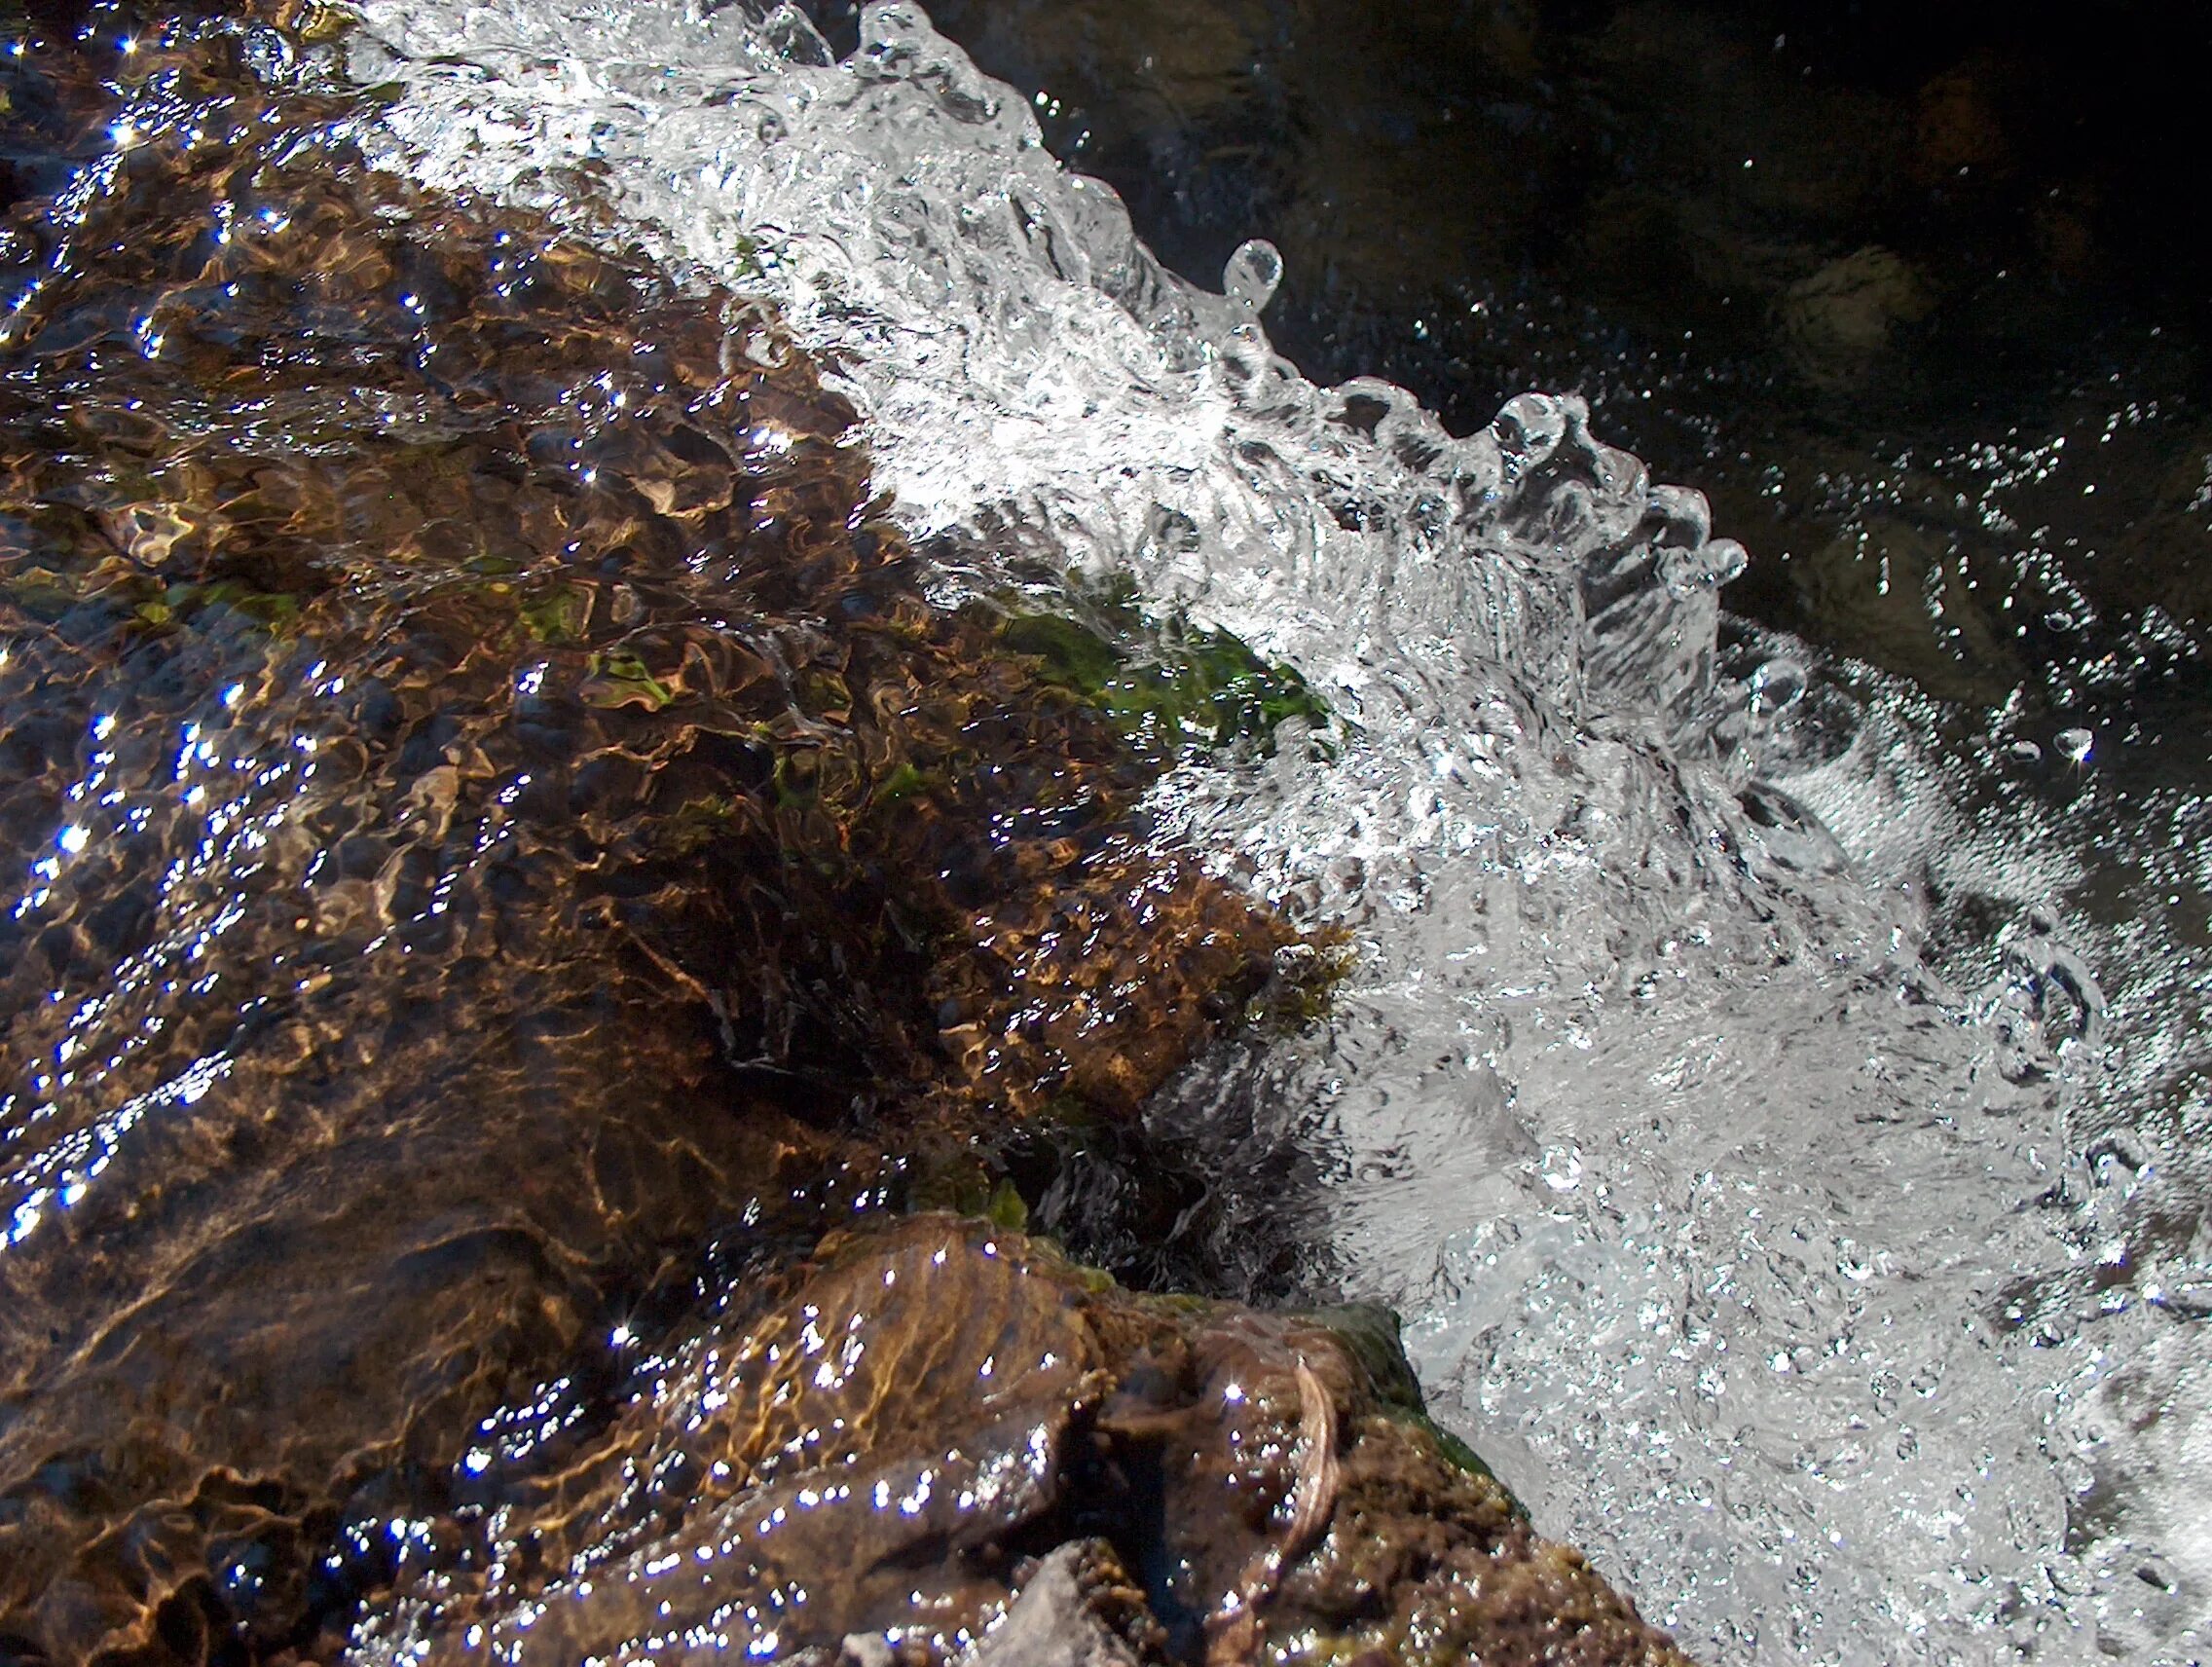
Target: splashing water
column 1836, row 1283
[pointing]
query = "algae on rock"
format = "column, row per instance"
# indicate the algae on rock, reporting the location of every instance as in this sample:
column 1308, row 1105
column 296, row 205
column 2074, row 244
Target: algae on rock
column 875, row 1442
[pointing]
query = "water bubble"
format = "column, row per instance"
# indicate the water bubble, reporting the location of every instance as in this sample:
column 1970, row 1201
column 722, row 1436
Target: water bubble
column 1776, row 687
column 269, row 54
column 1705, row 566
column 2073, row 745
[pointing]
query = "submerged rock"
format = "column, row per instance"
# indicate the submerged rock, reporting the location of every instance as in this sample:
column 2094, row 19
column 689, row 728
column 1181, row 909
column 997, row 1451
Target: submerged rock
column 502, row 813
column 1062, row 1618
column 514, row 856
column 1837, row 322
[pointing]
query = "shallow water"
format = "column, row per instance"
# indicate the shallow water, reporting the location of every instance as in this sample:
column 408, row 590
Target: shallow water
column 501, row 832
column 1770, row 1087
column 1617, row 1022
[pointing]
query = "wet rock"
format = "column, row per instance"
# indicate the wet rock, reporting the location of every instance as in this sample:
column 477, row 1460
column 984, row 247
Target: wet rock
column 1897, row 592
column 1959, row 127
column 1838, row 321
column 1056, row 1621
column 516, row 825
column 868, row 1446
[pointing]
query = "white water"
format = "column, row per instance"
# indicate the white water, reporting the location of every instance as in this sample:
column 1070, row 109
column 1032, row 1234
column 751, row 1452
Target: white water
column 1812, row 1281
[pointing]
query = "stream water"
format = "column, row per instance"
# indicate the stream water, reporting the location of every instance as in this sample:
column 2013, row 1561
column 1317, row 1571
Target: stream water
column 1768, row 1080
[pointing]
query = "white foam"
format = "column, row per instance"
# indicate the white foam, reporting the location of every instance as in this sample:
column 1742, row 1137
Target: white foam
column 1702, row 1193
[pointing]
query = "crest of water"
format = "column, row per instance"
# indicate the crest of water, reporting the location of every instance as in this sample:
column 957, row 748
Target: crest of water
column 1830, row 1263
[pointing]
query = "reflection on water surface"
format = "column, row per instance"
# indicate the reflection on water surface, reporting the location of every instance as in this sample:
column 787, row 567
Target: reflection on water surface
column 510, row 845
column 493, row 811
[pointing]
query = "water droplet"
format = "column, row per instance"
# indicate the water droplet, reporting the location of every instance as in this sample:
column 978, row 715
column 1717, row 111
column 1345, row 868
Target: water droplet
column 1252, row 274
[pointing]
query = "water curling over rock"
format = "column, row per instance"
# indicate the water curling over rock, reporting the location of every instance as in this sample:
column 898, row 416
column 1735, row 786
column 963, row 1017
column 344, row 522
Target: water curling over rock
column 511, row 857
column 1698, row 1064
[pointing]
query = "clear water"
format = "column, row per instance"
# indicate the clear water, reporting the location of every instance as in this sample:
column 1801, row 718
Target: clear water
column 1776, row 1098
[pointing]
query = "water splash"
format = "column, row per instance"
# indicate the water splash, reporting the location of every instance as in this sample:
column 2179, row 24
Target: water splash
column 1740, row 1212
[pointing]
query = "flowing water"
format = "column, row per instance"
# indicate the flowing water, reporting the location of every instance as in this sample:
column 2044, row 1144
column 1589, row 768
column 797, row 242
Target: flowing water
column 1772, row 1093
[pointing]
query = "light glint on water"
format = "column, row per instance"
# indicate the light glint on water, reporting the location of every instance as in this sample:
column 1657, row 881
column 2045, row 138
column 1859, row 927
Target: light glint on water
column 1837, row 1288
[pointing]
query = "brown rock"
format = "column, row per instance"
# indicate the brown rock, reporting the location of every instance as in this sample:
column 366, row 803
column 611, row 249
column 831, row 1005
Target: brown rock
column 864, row 1448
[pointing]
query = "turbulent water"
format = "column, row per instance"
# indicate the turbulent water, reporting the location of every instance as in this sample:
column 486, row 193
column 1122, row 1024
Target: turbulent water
column 1774, row 1098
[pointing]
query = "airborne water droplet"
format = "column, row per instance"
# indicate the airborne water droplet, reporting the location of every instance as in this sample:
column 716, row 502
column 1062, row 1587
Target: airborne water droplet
column 1252, row 274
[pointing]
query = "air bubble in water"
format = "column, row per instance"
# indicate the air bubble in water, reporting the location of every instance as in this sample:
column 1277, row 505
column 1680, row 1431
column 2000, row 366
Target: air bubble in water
column 1776, row 687
column 2073, row 745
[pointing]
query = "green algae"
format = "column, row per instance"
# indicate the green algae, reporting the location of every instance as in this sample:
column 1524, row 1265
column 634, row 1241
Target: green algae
column 1462, row 1457
column 555, row 617
column 621, row 678
column 1165, row 682
column 275, row 610
column 1371, row 1335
